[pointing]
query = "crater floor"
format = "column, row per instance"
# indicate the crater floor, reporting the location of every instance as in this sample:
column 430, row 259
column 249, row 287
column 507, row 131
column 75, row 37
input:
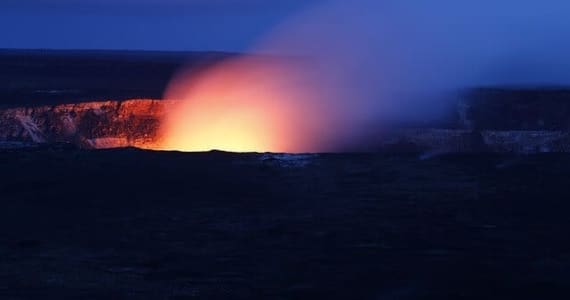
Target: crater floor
column 134, row 224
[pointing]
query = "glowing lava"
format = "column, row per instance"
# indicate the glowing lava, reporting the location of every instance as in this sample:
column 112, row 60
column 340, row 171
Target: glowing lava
column 245, row 105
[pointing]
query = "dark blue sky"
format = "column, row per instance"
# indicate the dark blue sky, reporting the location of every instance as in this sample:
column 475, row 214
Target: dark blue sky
column 225, row 25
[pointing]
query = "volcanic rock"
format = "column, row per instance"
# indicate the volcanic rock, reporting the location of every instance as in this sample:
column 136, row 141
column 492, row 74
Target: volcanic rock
column 107, row 124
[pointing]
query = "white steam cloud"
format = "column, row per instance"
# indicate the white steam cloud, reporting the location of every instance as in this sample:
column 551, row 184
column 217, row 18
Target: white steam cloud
column 364, row 62
column 392, row 58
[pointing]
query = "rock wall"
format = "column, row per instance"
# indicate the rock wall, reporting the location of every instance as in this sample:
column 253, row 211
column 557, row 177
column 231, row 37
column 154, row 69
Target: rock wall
column 514, row 109
column 105, row 124
column 465, row 141
column 485, row 123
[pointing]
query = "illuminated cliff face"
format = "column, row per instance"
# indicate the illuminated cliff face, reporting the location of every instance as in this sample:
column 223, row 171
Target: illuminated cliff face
column 107, row 124
column 245, row 105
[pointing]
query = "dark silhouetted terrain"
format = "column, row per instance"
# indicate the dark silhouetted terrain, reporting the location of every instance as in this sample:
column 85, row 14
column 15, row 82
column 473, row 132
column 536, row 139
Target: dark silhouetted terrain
column 39, row 77
column 132, row 224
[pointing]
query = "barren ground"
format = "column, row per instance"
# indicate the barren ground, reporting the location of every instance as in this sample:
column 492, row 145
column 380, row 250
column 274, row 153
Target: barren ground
column 133, row 224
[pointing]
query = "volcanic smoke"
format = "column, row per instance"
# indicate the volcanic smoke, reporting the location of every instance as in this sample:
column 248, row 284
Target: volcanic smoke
column 330, row 72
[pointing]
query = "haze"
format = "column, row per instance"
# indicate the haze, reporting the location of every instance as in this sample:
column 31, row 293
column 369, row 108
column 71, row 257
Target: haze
column 368, row 63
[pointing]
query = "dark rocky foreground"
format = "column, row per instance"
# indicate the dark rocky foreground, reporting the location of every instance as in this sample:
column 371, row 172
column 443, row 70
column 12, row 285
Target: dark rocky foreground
column 132, row 224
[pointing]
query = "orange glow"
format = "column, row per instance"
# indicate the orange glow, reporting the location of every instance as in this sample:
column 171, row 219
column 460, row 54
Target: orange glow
column 245, row 105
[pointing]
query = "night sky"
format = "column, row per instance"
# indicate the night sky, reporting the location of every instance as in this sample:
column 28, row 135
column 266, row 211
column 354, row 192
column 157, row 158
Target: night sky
column 223, row 25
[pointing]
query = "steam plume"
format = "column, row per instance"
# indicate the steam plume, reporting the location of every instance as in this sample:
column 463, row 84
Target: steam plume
column 366, row 62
